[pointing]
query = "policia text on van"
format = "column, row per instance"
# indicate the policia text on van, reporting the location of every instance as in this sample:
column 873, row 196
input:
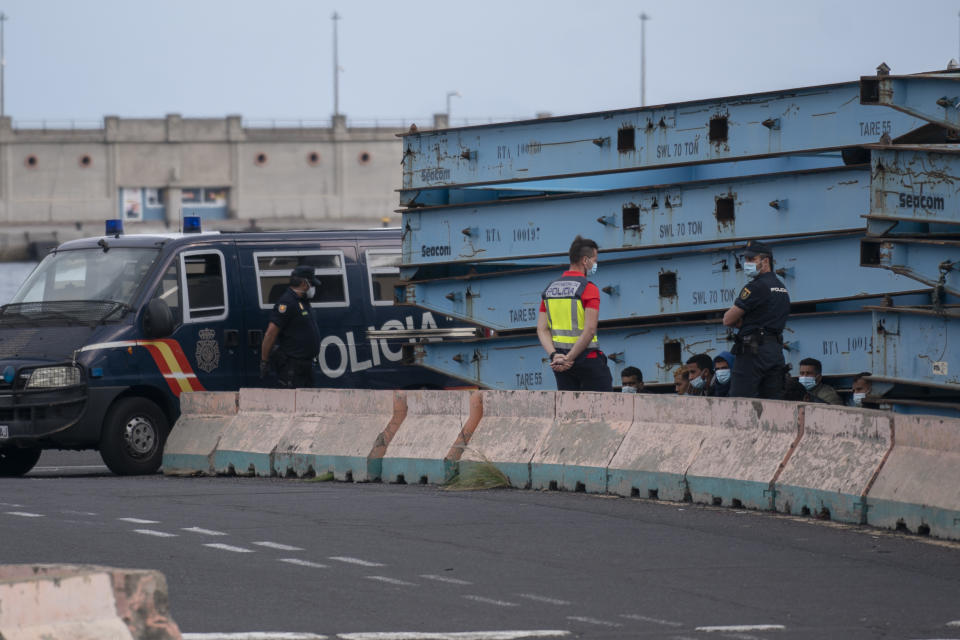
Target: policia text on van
column 106, row 333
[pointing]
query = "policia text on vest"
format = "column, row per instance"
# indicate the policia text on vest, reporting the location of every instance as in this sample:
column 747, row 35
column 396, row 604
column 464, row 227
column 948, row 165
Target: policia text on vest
column 567, row 324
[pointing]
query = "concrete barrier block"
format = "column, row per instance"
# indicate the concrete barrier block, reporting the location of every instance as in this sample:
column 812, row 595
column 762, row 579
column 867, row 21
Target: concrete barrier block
column 247, row 447
column 918, row 486
column 747, row 443
column 836, row 459
column 512, row 429
column 339, row 431
column 204, row 417
column 434, row 422
column 575, row 453
column 83, row 602
column 665, row 438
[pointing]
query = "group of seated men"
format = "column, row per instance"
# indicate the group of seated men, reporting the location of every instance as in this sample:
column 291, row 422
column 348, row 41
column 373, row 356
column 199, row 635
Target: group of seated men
column 706, row 376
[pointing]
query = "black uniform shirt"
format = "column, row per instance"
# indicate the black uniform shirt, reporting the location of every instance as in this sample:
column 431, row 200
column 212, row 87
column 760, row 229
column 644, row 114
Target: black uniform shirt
column 766, row 303
column 299, row 335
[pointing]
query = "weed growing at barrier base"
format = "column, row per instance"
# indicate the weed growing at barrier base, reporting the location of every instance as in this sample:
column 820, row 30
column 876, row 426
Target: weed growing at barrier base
column 326, row 477
column 478, row 475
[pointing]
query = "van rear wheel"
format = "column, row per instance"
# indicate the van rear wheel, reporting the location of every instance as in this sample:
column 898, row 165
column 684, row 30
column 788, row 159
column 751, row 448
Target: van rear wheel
column 15, row 461
column 131, row 442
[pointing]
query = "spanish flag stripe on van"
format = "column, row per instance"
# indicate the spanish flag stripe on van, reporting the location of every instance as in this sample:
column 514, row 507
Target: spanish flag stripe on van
column 169, row 358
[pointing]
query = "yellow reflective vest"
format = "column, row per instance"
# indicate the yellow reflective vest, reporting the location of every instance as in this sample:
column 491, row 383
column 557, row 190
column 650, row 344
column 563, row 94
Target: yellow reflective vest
column 563, row 299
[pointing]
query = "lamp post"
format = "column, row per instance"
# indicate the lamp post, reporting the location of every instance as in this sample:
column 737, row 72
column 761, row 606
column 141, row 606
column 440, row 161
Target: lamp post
column 643, row 59
column 451, row 94
column 3, row 63
column 336, row 67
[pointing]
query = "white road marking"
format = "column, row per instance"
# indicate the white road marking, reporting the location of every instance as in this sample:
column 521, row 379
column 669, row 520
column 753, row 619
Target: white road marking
column 138, row 521
column 666, row 623
column 202, row 531
column 436, row 578
column 254, row 635
column 596, row 621
column 78, row 513
column 396, row 581
column 228, row 547
column 362, row 563
column 156, row 534
column 10, row 504
column 739, row 628
column 533, row 596
column 499, row 603
column 24, row 514
column 304, row 563
column 277, row 545
column 73, row 466
column 458, row 635
column 954, row 623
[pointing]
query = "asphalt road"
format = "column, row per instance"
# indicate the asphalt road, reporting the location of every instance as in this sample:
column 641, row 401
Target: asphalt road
column 245, row 555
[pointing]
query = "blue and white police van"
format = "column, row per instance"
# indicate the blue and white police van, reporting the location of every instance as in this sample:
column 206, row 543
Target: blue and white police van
column 103, row 337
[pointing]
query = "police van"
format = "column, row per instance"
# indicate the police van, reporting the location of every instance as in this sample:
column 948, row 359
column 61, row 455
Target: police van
column 103, row 337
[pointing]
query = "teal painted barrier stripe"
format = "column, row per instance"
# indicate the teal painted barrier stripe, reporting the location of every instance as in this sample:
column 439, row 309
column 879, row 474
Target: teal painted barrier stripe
column 414, row 469
column 646, row 484
column 186, row 462
column 241, row 461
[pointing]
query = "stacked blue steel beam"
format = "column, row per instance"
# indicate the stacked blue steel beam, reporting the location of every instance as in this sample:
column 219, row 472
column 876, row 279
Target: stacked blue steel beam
column 855, row 185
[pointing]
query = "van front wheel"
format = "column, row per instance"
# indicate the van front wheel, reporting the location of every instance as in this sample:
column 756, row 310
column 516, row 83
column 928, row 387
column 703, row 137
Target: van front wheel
column 131, row 442
column 16, row 462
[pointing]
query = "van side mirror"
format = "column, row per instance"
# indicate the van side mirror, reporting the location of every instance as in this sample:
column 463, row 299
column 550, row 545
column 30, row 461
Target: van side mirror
column 157, row 319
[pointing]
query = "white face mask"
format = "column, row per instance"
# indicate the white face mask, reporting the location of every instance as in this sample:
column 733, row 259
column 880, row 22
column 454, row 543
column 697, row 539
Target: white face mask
column 808, row 382
column 750, row 268
column 312, row 291
column 593, row 269
column 723, row 376
column 697, row 383
column 628, row 390
column 858, row 399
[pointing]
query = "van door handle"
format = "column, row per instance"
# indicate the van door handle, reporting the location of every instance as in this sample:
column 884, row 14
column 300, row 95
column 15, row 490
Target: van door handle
column 231, row 338
column 254, row 338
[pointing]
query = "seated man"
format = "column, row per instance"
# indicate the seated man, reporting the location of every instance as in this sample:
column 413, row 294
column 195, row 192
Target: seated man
column 811, row 379
column 681, row 381
column 722, row 368
column 700, row 368
column 631, row 380
column 861, row 388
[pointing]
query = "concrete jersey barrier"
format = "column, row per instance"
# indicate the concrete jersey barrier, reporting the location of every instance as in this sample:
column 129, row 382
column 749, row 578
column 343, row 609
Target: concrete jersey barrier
column 832, row 467
column 436, row 421
column 918, row 487
column 512, row 429
column 575, row 453
column 665, row 437
column 247, row 447
column 749, row 441
column 341, row 431
column 204, row 417
column 84, row 602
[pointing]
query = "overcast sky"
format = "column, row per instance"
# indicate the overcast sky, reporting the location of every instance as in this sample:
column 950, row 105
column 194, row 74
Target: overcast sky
column 83, row 59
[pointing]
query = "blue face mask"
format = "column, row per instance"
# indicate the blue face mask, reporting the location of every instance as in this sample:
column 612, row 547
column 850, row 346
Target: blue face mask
column 627, row 389
column 750, row 268
column 593, row 269
column 723, row 376
column 808, row 382
column 697, row 383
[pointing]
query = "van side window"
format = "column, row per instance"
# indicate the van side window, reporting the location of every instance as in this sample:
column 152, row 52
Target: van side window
column 273, row 276
column 383, row 268
column 169, row 290
column 204, row 285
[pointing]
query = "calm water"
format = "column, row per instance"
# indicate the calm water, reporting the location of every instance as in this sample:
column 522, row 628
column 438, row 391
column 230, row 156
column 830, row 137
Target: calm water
column 12, row 275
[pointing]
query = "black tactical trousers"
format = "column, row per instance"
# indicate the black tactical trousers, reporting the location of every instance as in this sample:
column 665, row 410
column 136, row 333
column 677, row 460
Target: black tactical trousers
column 758, row 372
column 294, row 373
column 586, row 374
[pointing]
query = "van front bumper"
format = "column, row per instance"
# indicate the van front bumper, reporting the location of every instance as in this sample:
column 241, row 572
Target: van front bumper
column 50, row 418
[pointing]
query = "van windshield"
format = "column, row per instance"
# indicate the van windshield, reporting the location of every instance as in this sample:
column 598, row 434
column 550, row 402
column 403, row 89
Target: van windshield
column 83, row 285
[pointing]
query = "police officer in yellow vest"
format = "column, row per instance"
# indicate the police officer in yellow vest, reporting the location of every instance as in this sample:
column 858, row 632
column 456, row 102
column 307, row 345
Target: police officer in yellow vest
column 567, row 324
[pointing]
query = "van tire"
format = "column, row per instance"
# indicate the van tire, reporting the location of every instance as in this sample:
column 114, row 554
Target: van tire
column 15, row 461
column 133, row 435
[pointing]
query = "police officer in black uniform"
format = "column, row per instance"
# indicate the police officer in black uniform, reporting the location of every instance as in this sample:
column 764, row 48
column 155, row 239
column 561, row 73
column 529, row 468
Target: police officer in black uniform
column 292, row 340
column 760, row 312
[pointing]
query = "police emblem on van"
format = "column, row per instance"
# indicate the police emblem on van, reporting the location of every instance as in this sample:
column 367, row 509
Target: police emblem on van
column 208, row 351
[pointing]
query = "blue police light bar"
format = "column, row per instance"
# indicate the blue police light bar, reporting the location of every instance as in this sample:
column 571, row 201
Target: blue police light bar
column 191, row 224
column 114, row 227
